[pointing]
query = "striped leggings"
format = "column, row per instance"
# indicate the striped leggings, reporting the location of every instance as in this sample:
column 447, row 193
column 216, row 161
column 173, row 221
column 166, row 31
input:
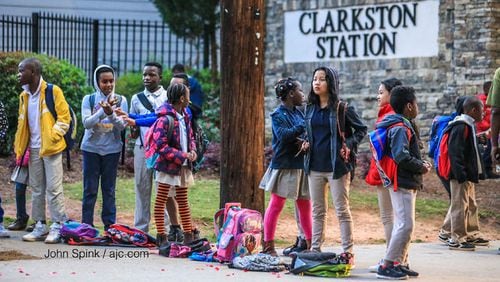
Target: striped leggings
column 182, row 200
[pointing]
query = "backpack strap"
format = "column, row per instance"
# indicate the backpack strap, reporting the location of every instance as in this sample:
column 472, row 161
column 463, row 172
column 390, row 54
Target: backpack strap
column 341, row 109
column 49, row 100
column 145, row 101
column 217, row 216
column 92, row 103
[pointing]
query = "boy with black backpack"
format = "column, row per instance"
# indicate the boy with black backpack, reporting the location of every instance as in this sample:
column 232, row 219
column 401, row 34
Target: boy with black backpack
column 464, row 169
column 402, row 148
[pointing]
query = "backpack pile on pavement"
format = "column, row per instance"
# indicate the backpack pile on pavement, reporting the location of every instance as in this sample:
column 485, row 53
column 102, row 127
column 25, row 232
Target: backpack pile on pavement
column 120, row 235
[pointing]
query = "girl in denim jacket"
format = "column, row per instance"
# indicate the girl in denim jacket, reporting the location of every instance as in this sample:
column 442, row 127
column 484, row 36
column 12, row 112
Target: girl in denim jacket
column 285, row 176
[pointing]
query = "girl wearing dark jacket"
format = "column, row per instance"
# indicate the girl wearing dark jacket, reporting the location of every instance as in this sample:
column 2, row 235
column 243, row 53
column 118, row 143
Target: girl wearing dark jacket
column 285, row 175
column 326, row 161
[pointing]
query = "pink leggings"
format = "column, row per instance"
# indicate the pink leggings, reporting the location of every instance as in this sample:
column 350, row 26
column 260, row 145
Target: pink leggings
column 276, row 204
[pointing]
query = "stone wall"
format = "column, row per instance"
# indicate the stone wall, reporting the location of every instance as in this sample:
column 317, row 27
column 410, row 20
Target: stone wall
column 469, row 53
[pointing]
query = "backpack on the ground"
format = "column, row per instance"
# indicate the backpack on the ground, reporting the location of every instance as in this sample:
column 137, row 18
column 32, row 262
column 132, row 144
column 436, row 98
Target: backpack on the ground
column 76, row 233
column 240, row 235
column 122, row 133
column 322, row 264
column 123, row 235
column 201, row 141
column 70, row 135
column 439, row 123
column 442, row 160
column 150, row 149
column 386, row 166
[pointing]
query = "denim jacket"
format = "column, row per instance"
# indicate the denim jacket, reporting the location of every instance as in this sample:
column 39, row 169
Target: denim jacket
column 288, row 125
column 355, row 132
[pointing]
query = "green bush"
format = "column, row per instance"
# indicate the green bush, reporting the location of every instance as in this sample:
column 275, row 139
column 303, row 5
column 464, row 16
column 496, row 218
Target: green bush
column 131, row 83
column 71, row 79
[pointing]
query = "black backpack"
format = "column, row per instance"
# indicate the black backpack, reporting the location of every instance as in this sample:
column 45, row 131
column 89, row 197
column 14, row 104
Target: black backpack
column 70, row 136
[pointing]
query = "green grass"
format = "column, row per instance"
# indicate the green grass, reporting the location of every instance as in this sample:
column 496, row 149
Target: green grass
column 204, row 202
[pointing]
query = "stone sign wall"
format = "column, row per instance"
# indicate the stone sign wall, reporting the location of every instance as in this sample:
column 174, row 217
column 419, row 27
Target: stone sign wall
column 467, row 54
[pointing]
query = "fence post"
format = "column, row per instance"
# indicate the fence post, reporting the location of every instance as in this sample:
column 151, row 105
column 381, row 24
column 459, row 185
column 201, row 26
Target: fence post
column 95, row 43
column 35, row 32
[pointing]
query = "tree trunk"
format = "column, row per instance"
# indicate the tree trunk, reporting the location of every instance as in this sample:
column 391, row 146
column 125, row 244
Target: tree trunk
column 242, row 102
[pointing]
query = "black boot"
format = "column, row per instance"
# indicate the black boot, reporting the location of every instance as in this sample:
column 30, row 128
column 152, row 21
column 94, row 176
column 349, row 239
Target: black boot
column 19, row 224
column 299, row 246
column 175, row 234
column 161, row 239
column 188, row 238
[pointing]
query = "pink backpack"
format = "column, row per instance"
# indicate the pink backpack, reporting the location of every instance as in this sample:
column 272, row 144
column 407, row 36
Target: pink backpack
column 240, row 235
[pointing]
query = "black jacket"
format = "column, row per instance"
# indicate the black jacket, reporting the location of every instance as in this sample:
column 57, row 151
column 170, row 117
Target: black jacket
column 405, row 153
column 463, row 152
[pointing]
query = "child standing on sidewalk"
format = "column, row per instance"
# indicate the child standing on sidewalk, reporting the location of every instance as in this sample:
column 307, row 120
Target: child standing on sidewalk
column 285, row 175
column 402, row 144
column 466, row 169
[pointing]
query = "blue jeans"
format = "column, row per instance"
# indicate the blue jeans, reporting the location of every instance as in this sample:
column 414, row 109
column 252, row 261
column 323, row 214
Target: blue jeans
column 21, row 200
column 97, row 167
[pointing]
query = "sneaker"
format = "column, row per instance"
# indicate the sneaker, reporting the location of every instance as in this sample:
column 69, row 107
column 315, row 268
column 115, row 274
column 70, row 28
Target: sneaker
column 478, row 242
column 54, row 236
column 300, row 245
column 374, row 268
column 31, row 227
column 39, row 233
column 444, row 238
column 3, row 232
column 19, row 224
column 464, row 246
column 391, row 273
column 406, row 269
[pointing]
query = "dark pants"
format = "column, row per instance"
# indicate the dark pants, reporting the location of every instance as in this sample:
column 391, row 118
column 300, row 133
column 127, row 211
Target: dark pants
column 97, row 167
column 486, row 154
column 1, row 211
column 21, row 200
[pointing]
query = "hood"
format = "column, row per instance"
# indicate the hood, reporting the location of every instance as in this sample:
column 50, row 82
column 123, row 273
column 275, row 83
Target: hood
column 96, row 85
column 389, row 120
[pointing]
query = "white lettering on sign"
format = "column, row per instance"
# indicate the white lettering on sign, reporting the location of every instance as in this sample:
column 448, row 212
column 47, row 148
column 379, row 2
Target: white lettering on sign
column 398, row 30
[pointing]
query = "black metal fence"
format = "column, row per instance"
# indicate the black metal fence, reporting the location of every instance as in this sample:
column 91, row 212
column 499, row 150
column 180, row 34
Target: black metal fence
column 124, row 44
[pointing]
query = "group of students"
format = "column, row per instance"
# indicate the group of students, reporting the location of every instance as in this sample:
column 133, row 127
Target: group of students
column 105, row 115
column 316, row 145
column 314, row 148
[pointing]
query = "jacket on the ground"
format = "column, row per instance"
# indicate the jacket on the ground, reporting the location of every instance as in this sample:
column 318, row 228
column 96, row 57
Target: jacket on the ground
column 353, row 138
column 171, row 157
column 466, row 162
column 287, row 126
column 51, row 131
column 373, row 177
column 405, row 153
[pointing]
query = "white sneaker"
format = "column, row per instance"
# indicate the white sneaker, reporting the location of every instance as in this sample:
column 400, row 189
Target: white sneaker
column 374, row 268
column 39, row 233
column 3, row 232
column 54, row 236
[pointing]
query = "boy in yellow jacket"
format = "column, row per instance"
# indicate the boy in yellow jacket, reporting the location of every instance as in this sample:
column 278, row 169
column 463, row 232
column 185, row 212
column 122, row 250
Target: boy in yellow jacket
column 40, row 133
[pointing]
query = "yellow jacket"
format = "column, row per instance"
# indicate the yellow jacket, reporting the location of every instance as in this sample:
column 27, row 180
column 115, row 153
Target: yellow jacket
column 51, row 131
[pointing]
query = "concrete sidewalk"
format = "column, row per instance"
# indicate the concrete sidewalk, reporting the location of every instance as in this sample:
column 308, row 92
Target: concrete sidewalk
column 69, row 263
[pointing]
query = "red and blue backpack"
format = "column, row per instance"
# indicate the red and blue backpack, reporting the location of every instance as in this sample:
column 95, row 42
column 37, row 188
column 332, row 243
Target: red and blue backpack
column 386, row 166
column 442, row 160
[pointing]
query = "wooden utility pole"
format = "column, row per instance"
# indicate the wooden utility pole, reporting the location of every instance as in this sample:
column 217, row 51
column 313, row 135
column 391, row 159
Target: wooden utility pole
column 242, row 102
